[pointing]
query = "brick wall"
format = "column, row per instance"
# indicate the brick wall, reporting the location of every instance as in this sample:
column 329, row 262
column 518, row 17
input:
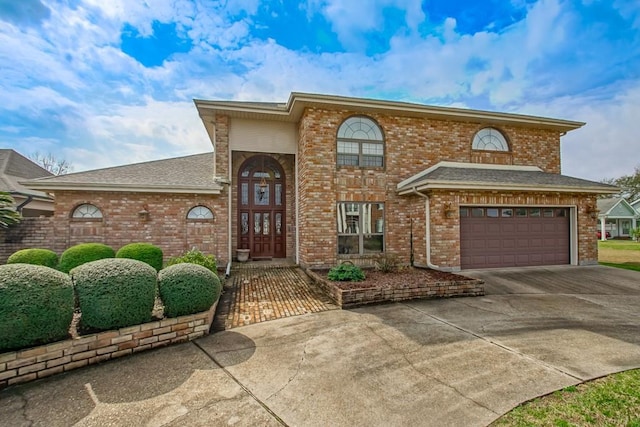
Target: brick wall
column 412, row 145
column 167, row 225
column 28, row 233
column 46, row 360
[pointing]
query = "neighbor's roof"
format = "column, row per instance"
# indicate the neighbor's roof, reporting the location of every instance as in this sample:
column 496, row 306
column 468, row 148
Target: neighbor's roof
column 616, row 207
column 190, row 174
column 475, row 176
column 292, row 110
column 14, row 167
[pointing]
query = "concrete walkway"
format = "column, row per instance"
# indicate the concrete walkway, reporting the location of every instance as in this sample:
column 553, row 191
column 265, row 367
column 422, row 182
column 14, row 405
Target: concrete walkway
column 462, row 361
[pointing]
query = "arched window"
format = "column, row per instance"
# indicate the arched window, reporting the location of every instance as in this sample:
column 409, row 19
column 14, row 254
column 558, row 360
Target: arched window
column 490, row 139
column 86, row 210
column 200, row 212
column 360, row 143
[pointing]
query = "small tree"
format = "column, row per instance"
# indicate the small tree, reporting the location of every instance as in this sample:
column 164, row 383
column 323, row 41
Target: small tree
column 8, row 214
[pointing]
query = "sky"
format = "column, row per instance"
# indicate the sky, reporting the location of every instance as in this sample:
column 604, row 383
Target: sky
column 109, row 82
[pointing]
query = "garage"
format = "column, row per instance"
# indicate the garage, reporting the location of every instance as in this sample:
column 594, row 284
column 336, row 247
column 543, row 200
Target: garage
column 514, row 236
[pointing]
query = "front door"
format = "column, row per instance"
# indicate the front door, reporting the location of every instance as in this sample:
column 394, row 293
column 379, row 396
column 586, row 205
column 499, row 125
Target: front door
column 261, row 208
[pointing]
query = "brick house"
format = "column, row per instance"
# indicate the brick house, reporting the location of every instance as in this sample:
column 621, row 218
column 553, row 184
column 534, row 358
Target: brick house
column 321, row 179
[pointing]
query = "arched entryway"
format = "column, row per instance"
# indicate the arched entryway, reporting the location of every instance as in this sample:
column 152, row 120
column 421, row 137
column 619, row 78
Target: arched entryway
column 261, row 208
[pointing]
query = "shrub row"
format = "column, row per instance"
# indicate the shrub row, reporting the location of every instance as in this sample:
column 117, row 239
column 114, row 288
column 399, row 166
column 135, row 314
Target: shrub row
column 37, row 302
column 86, row 252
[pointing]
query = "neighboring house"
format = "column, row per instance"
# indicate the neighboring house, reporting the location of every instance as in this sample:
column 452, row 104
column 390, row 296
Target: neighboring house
column 15, row 168
column 617, row 217
column 636, row 205
column 324, row 179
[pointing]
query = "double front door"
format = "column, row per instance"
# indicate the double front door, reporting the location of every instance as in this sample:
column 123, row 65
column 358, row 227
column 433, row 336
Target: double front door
column 261, row 208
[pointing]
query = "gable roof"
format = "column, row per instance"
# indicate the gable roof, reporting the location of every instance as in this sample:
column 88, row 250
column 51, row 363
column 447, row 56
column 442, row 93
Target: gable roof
column 292, row 110
column 476, row 176
column 616, row 207
column 14, row 167
column 189, row 174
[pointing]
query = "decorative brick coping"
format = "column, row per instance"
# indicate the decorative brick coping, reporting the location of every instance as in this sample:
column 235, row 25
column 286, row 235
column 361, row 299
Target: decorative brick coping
column 38, row 362
column 400, row 292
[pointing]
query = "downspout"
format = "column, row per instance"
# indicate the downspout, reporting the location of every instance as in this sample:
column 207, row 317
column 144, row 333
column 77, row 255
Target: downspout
column 427, row 232
column 23, row 204
column 229, row 228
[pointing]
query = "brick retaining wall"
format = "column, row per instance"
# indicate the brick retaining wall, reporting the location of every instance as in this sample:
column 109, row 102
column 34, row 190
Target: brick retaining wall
column 355, row 297
column 39, row 362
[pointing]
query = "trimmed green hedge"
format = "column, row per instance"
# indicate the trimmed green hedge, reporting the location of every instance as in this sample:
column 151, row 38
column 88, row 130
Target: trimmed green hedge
column 346, row 272
column 187, row 288
column 194, row 256
column 145, row 252
column 83, row 253
column 114, row 293
column 34, row 256
column 36, row 305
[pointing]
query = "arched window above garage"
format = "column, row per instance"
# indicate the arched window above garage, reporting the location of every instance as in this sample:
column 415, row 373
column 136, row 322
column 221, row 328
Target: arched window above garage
column 490, row 139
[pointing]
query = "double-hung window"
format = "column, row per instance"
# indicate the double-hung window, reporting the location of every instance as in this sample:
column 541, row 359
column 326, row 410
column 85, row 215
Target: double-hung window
column 360, row 143
column 360, row 228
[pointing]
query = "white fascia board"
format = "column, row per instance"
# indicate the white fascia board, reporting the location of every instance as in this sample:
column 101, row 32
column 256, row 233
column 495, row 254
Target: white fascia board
column 129, row 188
column 482, row 186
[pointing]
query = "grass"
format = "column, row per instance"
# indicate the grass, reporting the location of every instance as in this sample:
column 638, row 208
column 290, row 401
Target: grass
column 609, row 401
column 619, row 253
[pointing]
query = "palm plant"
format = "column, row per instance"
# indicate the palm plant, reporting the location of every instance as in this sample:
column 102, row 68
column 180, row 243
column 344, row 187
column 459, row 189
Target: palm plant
column 8, row 214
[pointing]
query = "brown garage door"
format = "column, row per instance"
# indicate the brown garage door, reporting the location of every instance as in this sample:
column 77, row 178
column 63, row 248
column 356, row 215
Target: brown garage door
column 513, row 237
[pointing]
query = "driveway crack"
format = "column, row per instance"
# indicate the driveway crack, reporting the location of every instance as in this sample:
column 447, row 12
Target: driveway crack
column 242, row 386
column 497, row 344
column 295, row 374
column 439, row 381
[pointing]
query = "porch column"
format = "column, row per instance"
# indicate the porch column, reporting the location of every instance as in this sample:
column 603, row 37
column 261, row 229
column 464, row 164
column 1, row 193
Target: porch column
column 603, row 230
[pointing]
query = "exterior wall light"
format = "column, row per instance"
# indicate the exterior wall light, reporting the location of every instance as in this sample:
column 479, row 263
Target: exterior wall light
column 449, row 212
column 144, row 213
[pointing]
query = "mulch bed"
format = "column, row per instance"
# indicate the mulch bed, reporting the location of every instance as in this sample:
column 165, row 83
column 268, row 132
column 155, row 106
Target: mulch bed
column 406, row 276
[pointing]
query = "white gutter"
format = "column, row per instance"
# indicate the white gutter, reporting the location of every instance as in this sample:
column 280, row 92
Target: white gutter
column 427, row 230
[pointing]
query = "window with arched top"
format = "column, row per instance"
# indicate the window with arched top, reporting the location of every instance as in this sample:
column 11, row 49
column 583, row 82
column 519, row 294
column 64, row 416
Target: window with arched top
column 200, row 212
column 490, row 139
column 86, row 210
column 360, row 143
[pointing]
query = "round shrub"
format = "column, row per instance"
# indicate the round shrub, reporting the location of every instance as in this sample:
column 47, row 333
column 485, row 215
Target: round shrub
column 346, row 273
column 83, row 253
column 187, row 288
column 36, row 305
column 114, row 293
column 194, row 256
column 44, row 257
column 145, row 252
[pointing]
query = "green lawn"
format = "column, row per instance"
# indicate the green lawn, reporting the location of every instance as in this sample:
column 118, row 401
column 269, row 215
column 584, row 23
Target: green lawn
column 609, row 401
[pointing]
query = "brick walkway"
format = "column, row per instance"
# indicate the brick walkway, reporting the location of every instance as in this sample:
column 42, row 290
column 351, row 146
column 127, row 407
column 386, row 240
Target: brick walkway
column 254, row 294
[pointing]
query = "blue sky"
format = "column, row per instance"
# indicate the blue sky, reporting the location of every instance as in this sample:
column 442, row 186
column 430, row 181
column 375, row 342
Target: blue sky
column 109, row 82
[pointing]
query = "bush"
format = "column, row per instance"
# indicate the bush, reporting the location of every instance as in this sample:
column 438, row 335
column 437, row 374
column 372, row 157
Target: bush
column 144, row 252
column 114, row 293
column 346, row 272
column 386, row 263
column 36, row 305
column 194, row 256
column 44, row 257
column 83, row 253
column 187, row 288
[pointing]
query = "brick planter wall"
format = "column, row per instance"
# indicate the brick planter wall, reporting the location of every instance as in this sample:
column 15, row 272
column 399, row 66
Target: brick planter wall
column 400, row 292
column 38, row 362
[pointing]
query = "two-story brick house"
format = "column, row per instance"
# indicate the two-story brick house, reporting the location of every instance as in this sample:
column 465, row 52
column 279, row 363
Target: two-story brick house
column 321, row 179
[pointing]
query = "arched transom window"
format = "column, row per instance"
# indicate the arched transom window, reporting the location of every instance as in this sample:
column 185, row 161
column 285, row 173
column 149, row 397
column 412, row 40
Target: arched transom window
column 360, row 143
column 200, row 212
column 490, row 139
column 87, row 210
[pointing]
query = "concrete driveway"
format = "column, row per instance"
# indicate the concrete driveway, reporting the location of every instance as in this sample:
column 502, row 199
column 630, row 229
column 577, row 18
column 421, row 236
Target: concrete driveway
column 462, row 361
